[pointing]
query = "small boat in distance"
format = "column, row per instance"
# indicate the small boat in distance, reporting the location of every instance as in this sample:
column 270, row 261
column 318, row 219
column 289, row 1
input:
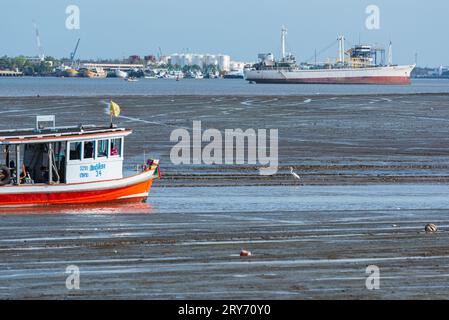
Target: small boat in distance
column 71, row 73
column 121, row 74
column 198, row 75
column 95, row 72
column 195, row 74
column 69, row 165
column 234, row 74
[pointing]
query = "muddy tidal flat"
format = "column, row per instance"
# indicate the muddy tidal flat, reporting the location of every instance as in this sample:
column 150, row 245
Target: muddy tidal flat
column 374, row 168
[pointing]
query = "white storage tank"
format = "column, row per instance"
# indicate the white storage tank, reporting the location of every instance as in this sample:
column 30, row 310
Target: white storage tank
column 198, row 59
column 174, row 59
column 211, row 59
column 224, row 62
column 186, row 59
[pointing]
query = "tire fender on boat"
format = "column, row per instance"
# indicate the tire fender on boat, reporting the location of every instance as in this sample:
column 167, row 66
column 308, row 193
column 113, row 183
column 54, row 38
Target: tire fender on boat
column 5, row 175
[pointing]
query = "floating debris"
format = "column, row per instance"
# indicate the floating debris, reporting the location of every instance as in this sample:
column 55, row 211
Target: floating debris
column 430, row 228
column 245, row 253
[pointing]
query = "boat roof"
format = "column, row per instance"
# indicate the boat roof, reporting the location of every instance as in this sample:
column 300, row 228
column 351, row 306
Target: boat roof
column 83, row 132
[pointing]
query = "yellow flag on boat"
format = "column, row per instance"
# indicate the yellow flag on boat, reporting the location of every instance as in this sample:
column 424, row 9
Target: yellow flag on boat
column 114, row 109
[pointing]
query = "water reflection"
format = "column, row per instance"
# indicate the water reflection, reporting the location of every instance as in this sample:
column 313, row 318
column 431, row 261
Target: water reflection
column 100, row 208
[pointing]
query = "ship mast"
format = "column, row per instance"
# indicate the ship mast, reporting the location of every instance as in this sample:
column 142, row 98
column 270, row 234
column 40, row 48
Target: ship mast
column 341, row 49
column 283, row 34
column 390, row 54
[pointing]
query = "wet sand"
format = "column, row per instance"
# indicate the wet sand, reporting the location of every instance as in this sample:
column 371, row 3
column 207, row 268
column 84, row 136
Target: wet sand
column 307, row 242
column 327, row 139
column 374, row 168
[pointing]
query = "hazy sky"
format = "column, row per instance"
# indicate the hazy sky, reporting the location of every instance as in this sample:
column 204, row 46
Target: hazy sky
column 240, row 28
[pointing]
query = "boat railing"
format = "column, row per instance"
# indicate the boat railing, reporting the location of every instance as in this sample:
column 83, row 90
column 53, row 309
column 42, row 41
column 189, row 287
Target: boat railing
column 278, row 68
column 30, row 132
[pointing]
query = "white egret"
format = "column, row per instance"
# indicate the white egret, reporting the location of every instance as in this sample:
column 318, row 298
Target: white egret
column 294, row 174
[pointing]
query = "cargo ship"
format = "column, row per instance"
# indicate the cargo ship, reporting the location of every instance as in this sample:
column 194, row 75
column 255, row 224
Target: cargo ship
column 358, row 65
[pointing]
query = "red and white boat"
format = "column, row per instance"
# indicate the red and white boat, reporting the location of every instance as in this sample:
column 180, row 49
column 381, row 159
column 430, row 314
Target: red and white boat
column 69, row 165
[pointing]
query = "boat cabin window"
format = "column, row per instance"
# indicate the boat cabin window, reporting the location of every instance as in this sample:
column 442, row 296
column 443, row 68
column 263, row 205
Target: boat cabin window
column 89, row 149
column 75, row 150
column 116, row 147
column 102, row 148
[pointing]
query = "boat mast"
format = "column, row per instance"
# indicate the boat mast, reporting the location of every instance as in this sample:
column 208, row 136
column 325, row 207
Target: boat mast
column 283, row 34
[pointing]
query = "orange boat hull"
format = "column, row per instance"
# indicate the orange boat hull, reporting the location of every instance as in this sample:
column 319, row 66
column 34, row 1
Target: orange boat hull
column 133, row 189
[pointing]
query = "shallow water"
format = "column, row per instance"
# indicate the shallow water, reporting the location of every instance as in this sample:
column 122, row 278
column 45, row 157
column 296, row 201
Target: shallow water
column 298, row 198
column 307, row 242
column 267, row 200
column 51, row 86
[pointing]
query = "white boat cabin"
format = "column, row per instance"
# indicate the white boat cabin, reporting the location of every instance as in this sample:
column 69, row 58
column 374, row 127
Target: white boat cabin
column 68, row 155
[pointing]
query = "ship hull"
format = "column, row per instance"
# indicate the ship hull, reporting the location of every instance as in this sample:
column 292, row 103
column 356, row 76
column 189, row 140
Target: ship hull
column 399, row 75
column 71, row 73
column 93, row 74
column 121, row 74
column 131, row 189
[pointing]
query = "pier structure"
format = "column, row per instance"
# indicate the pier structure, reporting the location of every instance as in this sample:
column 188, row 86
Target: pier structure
column 9, row 73
column 112, row 66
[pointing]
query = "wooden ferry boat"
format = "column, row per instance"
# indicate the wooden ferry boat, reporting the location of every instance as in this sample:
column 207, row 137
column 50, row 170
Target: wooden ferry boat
column 69, row 165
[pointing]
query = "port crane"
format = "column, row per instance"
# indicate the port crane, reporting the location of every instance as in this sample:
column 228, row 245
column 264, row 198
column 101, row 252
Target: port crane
column 38, row 42
column 72, row 54
column 160, row 53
